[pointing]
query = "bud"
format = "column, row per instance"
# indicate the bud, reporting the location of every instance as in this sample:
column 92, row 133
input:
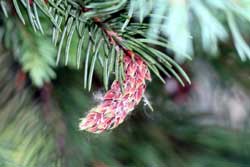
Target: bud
column 116, row 105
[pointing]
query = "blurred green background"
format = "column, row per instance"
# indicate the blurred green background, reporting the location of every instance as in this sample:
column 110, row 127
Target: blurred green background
column 200, row 125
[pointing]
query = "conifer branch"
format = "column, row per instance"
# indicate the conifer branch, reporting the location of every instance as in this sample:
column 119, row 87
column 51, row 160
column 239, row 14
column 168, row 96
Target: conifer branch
column 81, row 24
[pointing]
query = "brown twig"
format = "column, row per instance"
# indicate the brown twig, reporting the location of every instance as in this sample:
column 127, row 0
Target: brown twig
column 114, row 37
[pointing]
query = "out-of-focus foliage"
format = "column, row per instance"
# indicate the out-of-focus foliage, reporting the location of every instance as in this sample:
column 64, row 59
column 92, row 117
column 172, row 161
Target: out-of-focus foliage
column 25, row 139
column 182, row 21
column 34, row 52
column 38, row 59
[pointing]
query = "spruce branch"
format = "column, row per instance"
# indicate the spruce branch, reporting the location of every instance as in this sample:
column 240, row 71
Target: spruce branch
column 87, row 24
column 140, row 48
column 175, row 19
column 128, row 88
